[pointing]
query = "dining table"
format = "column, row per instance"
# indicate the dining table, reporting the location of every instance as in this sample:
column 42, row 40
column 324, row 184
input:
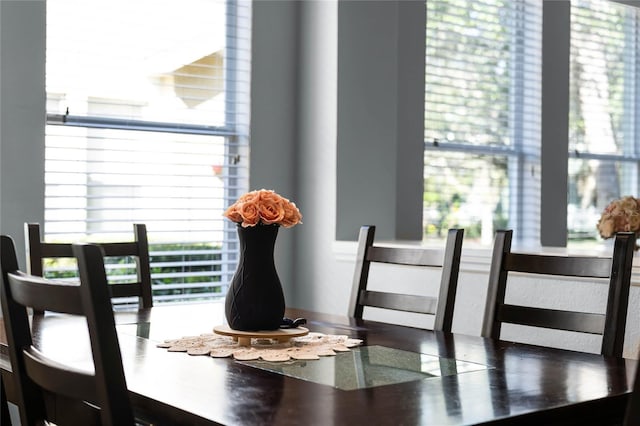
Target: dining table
column 396, row 375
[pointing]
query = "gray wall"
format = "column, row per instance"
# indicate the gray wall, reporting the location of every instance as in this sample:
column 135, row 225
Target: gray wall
column 336, row 118
column 380, row 126
column 22, row 112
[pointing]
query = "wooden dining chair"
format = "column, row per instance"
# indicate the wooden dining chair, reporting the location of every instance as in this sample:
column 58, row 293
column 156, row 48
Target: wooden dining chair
column 616, row 269
column 37, row 377
column 38, row 250
column 448, row 260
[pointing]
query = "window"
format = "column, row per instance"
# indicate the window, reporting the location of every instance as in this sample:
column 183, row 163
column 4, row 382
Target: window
column 147, row 121
column 483, row 122
column 603, row 141
column 482, row 115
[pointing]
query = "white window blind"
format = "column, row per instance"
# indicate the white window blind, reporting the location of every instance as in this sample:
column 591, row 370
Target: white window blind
column 482, row 117
column 603, row 139
column 147, row 112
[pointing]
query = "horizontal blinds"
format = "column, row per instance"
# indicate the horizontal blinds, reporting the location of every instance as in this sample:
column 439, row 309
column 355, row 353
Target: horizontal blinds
column 99, row 181
column 603, row 63
column 149, row 123
column 482, row 117
column 474, row 52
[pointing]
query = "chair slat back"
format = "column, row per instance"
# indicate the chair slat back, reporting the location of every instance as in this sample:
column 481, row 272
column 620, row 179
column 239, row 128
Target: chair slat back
column 616, row 269
column 36, row 376
column 448, row 260
column 588, row 267
column 405, row 256
column 33, row 291
column 38, row 250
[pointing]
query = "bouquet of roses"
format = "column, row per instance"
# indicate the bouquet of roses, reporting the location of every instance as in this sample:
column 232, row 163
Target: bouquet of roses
column 622, row 215
column 264, row 207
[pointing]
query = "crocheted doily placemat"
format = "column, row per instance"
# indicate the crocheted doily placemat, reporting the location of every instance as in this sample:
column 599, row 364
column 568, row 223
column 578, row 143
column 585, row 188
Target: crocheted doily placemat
column 309, row 347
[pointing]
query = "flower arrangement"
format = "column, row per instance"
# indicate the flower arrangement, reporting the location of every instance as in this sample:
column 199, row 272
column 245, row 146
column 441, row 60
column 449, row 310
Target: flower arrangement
column 264, row 207
column 622, row 215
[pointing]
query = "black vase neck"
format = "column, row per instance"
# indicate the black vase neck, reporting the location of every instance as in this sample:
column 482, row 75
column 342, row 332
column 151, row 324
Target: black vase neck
column 258, row 236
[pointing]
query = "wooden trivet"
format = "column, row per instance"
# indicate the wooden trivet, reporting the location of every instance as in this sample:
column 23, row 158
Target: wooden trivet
column 243, row 338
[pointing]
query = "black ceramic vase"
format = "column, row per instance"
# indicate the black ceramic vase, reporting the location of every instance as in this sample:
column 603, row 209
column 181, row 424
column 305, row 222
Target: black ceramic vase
column 255, row 300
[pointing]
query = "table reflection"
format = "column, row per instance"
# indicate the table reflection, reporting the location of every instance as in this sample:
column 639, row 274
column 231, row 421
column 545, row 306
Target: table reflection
column 369, row 366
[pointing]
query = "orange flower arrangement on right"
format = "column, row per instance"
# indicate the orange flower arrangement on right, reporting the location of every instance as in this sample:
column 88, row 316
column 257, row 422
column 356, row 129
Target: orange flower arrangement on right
column 622, row 215
column 264, row 207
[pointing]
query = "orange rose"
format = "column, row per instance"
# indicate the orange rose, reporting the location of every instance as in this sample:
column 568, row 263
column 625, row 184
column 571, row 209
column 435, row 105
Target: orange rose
column 252, row 196
column 250, row 214
column 620, row 215
column 292, row 215
column 263, row 206
column 233, row 214
column 269, row 194
column 271, row 211
column 606, row 228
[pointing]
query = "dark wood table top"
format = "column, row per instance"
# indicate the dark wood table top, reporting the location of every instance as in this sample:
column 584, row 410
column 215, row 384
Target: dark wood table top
column 522, row 384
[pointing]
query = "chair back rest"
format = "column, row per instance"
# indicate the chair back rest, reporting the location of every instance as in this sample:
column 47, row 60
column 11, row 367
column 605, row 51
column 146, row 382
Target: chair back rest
column 38, row 250
column 37, row 376
column 448, row 260
column 616, row 269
